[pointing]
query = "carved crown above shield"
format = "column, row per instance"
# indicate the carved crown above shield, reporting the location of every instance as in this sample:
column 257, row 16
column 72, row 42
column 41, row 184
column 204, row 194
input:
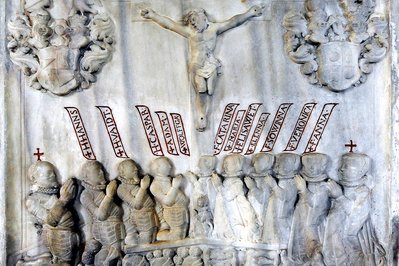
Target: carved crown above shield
column 61, row 45
column 336, row 42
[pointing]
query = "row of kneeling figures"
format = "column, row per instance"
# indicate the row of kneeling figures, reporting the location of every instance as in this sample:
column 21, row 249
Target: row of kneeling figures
column 287, row 204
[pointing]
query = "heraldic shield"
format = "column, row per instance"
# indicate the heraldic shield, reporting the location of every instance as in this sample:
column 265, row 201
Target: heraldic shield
column 338, row 65
column 61, row 45
column 58, row 70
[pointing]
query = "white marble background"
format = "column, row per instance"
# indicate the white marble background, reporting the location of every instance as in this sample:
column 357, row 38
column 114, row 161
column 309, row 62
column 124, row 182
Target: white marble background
column 149, row 67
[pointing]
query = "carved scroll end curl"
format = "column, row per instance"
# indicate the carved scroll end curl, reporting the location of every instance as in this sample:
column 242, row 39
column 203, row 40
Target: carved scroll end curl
column 102, row 31
column 92, row 62
column 100, row 52
column 377, row 46
column 19, row 29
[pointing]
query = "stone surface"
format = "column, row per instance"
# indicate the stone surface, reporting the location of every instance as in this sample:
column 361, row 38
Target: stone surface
column 140, row 104
column 335, row 42
column 60, row 45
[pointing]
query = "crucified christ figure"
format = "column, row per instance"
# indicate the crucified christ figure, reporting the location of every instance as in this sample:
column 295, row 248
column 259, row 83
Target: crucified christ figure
column 202, row 35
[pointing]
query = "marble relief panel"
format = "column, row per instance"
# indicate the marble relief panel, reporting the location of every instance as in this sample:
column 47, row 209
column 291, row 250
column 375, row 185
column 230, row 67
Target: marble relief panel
column 198, row 133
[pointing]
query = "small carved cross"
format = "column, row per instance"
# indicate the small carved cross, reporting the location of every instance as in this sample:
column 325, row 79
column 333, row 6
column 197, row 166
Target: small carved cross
column 121, row 153
column 38, row 154
column 88, row 154
column 351, row 146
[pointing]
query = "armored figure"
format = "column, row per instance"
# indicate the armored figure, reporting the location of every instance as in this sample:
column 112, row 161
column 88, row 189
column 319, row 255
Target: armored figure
column 54, row 221
column 349, row 236
column 316, row 191
column 103, row 244
column 280, row 209
column 257, row 184
column 234, row 206
column 171, row 203
column 139, row 215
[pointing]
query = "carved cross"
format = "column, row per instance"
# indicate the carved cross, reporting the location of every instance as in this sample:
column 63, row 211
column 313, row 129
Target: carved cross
column 38, row 154
column 351, row 145
column 121, row 153
column 88, row 154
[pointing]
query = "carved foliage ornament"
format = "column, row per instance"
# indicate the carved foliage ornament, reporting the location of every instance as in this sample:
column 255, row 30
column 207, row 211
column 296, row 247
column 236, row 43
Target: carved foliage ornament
column 336, row 42
column 60, row 45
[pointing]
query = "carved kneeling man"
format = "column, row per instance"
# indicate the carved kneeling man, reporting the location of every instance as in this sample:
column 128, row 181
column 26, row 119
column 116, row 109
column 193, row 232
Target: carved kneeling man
column 139, row 218
column 51, row 212
column 172, row 204
column 103, row 246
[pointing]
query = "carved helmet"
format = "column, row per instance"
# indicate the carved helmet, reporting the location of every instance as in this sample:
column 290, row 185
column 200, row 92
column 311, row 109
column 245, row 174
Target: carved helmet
column 42, row 174
column 353, row 170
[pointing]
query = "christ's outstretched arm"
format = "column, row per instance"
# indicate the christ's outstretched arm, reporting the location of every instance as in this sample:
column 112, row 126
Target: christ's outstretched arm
column 239, row 19
column 165, row 22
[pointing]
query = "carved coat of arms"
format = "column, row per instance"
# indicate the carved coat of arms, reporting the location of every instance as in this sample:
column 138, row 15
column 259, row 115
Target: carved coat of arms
column 60, row 45
column 336, row 42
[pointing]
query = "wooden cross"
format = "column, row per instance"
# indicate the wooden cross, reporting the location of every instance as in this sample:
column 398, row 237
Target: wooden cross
column 38, row 154
column 351, row 146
